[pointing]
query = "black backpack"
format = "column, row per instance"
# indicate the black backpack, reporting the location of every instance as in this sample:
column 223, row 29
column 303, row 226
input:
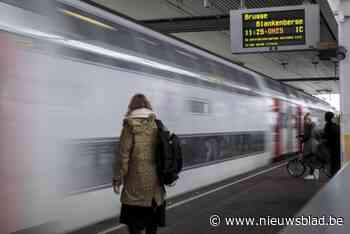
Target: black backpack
column 168, row 155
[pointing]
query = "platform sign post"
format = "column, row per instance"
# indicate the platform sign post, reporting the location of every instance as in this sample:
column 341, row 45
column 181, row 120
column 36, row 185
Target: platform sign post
column 275, row 29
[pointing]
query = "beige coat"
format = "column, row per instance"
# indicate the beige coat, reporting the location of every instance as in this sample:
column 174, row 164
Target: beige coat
column 310, row 142
column 136, row 168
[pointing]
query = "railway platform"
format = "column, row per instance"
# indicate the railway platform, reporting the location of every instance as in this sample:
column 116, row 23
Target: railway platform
column 265, row 193
column 329, row 208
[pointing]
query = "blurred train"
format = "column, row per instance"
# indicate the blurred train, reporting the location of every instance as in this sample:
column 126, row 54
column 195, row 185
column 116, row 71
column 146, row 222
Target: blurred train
column 75, row 65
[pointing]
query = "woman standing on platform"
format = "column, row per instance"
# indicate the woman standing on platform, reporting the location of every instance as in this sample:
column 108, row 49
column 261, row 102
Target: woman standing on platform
column 142, row 197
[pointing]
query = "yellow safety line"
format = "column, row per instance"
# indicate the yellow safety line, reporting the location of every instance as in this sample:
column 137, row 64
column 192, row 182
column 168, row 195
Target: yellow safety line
column 347, row 146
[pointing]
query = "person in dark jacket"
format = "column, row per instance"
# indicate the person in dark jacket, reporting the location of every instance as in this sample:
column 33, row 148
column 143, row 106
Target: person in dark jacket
column 332, row 137
column 142, row 197
column 310, row 144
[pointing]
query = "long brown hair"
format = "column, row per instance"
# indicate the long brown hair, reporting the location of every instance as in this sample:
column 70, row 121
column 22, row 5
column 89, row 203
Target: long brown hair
column 307, row 116
column 138, row 101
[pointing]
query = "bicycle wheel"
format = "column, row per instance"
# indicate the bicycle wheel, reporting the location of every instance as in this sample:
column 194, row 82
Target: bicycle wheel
column 296, row 168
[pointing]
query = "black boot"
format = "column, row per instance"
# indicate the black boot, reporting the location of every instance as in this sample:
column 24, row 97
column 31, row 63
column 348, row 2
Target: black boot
column 134, row 230
column 151, row 230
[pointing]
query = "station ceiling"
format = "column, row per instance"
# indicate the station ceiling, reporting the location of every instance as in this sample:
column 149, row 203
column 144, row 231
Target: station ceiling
column 289, row 67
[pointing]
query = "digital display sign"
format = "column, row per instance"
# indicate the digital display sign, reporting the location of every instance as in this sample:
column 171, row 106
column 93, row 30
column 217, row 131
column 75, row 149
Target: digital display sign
column 289, row 28
column 276, row 28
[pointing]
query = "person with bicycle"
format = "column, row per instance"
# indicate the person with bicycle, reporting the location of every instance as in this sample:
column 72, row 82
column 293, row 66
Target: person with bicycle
column 310, row 145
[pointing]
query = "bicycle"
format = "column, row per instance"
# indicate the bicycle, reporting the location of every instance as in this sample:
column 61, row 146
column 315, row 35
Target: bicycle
column 298, row 166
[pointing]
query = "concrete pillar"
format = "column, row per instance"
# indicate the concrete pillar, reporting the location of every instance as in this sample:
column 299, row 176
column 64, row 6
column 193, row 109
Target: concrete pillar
column 345, row 87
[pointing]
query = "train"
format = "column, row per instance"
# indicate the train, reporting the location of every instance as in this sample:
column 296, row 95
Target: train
column 69, row 72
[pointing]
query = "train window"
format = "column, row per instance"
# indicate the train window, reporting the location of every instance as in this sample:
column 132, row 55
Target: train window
column 234, row 75
column 274, row 85
column 220, row 70
column 228, row 74
column 249, row 80
column 87, row 27
column 187, row 54
column 206, row 66
column 73, row 23
column 300, row 95
column 238, row 77
column 289, row 92
column 37, row 6
column 293, row 93
column 147, row 41
column 184, row 58
column 306, row 98
column 93, row 157
column 150, row 47
column 198, row 107
column 314, row 100
column 296, row 92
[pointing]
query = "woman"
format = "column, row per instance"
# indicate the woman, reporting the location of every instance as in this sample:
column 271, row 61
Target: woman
column 142, row 197
column 310, row 144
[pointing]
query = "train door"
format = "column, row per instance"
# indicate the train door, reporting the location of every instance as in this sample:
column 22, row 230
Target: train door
column 299, row 126
column 9, row 168
column 277, row 128
column 292, row 127
column 289, row 127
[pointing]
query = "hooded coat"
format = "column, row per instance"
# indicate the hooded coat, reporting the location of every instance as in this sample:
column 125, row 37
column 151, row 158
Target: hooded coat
column 310, row 142
column 137, row 167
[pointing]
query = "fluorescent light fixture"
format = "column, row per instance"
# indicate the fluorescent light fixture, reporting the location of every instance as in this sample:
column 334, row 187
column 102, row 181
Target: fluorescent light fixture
column 86, row 19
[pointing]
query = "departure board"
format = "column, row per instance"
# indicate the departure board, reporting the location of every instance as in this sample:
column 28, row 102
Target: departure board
column 275, row 28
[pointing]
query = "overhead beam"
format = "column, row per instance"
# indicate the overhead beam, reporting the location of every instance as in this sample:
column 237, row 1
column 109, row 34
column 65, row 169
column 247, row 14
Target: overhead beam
column 308, row 79
column 190, row 24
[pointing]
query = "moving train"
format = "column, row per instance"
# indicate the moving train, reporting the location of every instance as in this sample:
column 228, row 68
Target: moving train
column 69, row 72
